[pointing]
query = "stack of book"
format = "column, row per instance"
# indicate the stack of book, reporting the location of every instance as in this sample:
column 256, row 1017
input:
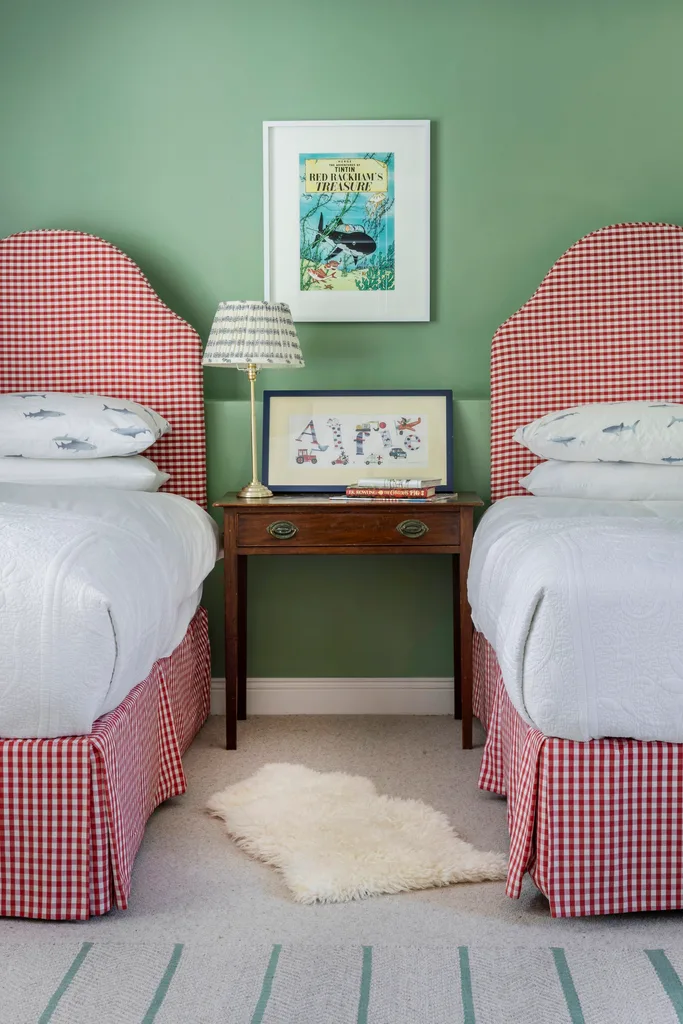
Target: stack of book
column 387, row 489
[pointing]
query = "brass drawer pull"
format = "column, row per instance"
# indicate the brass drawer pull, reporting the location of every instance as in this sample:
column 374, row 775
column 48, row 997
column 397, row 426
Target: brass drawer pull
column 282, row 529
column 412, row 528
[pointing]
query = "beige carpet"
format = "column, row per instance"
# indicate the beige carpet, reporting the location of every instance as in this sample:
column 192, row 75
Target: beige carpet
column 191, row 885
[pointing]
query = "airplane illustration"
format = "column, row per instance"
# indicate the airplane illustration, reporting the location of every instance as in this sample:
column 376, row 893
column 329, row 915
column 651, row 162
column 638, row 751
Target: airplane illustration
column 405, row 424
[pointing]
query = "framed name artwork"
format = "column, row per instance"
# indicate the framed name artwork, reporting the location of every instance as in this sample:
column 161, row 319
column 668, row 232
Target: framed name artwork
column 326, row 440
column 346, row 219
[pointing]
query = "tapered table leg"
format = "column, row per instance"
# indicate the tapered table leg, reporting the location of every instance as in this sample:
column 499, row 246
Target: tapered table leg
column 466, row 518
column 242, row 637
column 457, row 702
column 232, row 634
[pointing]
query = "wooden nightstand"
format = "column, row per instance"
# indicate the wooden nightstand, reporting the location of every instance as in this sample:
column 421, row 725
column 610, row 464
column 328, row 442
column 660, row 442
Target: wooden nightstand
column 314, row 525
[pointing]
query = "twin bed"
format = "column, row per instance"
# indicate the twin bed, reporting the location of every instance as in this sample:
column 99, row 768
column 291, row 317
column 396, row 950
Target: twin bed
column 104, row 654
column 578, row 603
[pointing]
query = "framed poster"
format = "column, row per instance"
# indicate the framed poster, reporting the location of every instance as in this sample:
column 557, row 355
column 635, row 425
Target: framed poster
column 346, row 218
column 326, row 440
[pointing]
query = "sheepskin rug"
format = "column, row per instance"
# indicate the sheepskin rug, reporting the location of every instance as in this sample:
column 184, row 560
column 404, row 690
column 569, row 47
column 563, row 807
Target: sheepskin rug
column 335, row 838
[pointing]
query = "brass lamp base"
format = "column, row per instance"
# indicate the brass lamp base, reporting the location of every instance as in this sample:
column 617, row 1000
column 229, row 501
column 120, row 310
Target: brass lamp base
column 255, row 490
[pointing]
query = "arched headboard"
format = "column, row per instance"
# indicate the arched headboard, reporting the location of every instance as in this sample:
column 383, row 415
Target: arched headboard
column 605, row 325
column 76, row 314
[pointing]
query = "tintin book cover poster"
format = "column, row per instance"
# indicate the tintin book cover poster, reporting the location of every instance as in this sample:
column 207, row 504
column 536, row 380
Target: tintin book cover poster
column 346, row 222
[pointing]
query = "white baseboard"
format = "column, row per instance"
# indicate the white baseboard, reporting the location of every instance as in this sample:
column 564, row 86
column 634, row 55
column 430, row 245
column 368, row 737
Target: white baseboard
column 410, row 695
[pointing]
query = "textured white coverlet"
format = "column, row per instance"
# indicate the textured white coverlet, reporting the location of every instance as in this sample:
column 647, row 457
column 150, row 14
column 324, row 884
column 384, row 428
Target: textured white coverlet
column 582, row 601
column 95, row 586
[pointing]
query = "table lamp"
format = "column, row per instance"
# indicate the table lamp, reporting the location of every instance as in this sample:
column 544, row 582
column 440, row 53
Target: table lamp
column 247, row 336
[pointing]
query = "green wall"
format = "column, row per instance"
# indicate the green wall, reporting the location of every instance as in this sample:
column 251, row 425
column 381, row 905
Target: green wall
column 140, row 121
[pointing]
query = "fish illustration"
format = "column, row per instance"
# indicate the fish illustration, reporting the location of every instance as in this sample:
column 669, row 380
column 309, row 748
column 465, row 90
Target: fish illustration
column 74, row 444
column 620, row 428
column 675, row 419
column 131, row 431
column 562, row 440
column 347, row 238
column 661, row 405
column 42, row 414
column 564, row 416
column 317, row 273
column 32, row 394
column 128, row 412
column 672, row 458
column 13, row 456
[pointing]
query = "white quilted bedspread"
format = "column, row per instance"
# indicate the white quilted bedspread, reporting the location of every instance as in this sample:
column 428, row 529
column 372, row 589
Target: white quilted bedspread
column 95, row 586
column 582, row 601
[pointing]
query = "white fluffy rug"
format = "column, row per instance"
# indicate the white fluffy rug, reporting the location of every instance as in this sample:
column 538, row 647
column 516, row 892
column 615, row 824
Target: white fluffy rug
column 335, row 838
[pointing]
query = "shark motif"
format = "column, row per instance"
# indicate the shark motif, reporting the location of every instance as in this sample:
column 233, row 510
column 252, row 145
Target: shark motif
column 672, row 458
column 13, row 456
column 562, row 440
column 42, row 414
column 32, row 394
column 347, row 238
column 675, row 419
column 74, row 444
column 620, row 428
column 131, row 431
column 128, row 412
column 662, row 405
column 564, row 416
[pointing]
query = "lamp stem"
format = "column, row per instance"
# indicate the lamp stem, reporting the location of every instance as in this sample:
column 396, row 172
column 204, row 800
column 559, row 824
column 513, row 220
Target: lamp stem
column 252, row 371
column 255, row 489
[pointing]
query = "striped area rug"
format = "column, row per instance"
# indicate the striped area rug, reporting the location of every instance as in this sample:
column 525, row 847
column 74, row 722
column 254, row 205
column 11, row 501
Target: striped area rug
column 107, row 983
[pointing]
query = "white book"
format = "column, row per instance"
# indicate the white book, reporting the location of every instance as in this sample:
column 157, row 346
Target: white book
column 388, row 482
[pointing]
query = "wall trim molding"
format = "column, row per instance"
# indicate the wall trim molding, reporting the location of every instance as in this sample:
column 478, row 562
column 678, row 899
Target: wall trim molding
column 342, row 695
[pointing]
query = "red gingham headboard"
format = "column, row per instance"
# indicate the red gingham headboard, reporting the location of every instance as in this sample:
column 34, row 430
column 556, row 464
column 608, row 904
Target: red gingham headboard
column 606, row 325
column 76, row 314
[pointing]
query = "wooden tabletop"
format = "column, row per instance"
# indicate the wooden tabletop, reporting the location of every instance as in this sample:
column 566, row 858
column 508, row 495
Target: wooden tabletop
column 319, row 501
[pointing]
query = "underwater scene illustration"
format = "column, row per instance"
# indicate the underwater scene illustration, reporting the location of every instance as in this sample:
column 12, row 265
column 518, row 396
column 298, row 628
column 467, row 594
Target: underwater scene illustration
column 346, row 222
column 394, row 442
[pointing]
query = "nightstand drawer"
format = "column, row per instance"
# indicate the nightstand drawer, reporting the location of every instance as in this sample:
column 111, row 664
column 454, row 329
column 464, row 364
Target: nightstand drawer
column 326, row 529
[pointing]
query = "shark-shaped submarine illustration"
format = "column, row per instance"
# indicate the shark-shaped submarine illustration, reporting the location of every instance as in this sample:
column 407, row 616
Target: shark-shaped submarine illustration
column 347, row 239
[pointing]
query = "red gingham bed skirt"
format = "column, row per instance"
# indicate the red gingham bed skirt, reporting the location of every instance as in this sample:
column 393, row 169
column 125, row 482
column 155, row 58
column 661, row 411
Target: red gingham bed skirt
column 598, row 825
column 73, row 809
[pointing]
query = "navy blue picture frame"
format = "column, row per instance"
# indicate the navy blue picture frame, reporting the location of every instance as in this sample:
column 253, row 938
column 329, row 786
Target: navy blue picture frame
column 268, row 396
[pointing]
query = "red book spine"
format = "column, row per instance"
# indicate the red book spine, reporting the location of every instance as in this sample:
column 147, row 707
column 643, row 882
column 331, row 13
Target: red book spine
column 389, row 492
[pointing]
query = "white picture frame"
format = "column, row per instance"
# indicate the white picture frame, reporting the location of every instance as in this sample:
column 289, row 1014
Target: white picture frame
column 380, row 243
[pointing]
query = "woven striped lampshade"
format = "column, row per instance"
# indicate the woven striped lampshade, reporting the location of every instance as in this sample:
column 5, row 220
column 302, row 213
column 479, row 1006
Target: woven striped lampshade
column 253, row 334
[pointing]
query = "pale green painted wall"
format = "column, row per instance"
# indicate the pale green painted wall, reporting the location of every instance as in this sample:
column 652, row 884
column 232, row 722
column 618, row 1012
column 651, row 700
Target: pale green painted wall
column 140, row 121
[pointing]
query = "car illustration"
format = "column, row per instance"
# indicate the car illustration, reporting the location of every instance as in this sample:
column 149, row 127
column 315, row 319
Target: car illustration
column 398, row 453
column 373, row 460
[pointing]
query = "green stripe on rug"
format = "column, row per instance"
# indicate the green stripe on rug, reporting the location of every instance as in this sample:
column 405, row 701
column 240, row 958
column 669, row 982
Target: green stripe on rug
column 46, row 1015
column 466, row 986
column 365, row 984
column 668, row 977
column 164, row 984
column 571, row 996
column 267, row 986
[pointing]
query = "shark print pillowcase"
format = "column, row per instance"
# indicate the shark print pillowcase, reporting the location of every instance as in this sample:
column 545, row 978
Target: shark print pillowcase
column 646, row 432
column 58, row 425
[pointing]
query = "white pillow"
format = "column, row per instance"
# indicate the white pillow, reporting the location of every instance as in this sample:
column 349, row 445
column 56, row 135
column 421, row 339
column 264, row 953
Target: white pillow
column 625, row 481
column 125, row 473
column 650, row 432
column 56, row 425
